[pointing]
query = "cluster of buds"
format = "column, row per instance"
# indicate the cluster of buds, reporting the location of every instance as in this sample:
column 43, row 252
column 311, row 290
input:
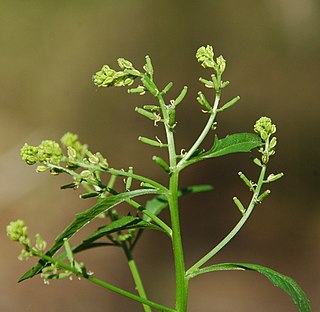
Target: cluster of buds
column 205, row 56
column 17, row 231
column 265, row 128
column 48, row 150
column 107, row 77
column 49, row 155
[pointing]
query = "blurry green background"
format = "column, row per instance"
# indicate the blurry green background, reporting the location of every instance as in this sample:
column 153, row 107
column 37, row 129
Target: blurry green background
column 49, row 51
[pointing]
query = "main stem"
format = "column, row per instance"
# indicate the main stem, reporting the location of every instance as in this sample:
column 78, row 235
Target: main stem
column 181, row 281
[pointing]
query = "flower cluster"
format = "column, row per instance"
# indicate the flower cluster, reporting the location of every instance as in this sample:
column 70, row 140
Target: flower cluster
column 265, row 128
column 18, row 231
column 205, row 56
column 107, row 77
column 48, row 150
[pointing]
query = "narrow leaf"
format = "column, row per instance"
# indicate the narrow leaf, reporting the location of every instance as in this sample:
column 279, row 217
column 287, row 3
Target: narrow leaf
column 282, row 281
column 83, row 219
column 233, row 143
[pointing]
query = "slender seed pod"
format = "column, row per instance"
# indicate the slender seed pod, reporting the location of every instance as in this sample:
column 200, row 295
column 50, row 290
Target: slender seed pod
column 159, row 161
column 167, row 88
column 129, row 179
column 172, row 116
column 263, row 196
column 149, row 85
column 239, row 205
column 181, row 96
column 246, row 181
column 151, row 142
column 147, row 114
column 229, row 104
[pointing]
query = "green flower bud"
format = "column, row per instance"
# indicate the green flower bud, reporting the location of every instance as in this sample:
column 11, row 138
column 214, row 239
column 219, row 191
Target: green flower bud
column 94, row 159
column 273, row 142
column 24, row 255
column 41, row 168
column 40, row 243
column 221, row 63
column 69, row 139
column 124, row 64
column 74, row 147
column 85, row 174
column 274, row 177
column 72, row 154
column 103, row 163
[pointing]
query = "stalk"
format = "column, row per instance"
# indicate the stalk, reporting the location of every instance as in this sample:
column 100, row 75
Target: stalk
column 101, row 283
column 236, row 229
column 203, row 134
column 136, row 276
column 181, row 281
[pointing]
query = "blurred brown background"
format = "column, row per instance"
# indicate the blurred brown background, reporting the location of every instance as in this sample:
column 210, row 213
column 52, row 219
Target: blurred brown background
column 49, row 51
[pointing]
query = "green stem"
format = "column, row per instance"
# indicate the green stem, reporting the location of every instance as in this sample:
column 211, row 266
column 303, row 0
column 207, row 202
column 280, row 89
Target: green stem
column 236, row 229
column 181, row 281
column 135, row 275
column 101, row 283
column 203, row 134
column 137, row 177
column 153, row 217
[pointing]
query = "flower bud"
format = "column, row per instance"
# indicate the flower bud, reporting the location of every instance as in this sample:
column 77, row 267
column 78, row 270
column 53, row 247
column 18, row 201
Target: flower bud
column 124, row 64
column 221, row 63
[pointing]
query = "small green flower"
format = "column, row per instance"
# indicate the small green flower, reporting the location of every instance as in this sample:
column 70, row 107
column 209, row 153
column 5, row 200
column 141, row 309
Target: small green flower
column 205, row 55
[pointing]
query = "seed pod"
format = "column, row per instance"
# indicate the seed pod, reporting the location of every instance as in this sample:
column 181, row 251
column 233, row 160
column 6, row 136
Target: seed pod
column 151, row 142
column 149, row 85
column 229, row 104
column 247, row 182
column 159, row 161
column 129, row 179
column 239, row 205
column 263, row 196
column 181, row 96
column 167, row 88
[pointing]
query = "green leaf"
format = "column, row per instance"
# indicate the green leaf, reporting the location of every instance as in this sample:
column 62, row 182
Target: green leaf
column 83, row 219
column 158, row 203
column 282, row 281
column 233, row 143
